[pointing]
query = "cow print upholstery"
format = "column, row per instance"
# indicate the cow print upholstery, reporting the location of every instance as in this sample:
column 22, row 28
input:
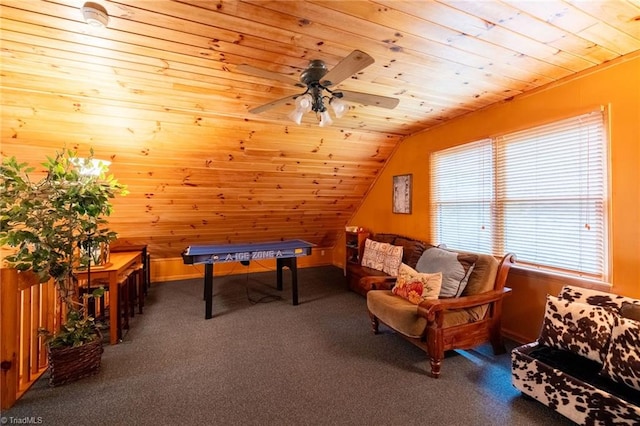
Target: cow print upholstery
column 577, row 327
column 622, row 363
column 595, row 297
column 564, row 368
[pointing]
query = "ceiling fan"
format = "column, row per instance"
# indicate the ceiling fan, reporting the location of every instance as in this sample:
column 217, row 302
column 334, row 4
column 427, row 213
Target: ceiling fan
column 317, row 80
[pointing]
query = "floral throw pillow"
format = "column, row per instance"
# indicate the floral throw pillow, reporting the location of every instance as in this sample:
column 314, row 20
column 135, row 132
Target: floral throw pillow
column 374, row 254
column 416, row 286
column 392, row 260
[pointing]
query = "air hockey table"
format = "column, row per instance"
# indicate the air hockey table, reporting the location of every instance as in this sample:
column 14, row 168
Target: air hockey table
column 285, row 252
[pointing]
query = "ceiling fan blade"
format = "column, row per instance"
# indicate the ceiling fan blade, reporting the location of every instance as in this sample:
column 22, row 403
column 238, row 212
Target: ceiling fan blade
column 355, row 62
column 265, row 107
column 369, row 99
column 259, row 72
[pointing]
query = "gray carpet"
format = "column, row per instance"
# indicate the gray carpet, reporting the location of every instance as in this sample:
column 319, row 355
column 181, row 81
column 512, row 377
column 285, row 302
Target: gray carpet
column 262, row 361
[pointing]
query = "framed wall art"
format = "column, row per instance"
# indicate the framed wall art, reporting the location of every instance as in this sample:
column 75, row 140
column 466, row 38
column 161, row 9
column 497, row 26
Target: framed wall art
column 402, row 194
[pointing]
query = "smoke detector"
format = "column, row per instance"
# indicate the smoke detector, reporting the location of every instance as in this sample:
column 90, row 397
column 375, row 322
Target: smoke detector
column 95, row 15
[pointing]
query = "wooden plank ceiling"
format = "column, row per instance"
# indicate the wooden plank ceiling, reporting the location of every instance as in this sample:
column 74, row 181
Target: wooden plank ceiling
column 157, row 92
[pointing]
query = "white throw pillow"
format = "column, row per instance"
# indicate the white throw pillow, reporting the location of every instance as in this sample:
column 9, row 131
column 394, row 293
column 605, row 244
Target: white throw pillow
column 392, row 260
column 374, row 254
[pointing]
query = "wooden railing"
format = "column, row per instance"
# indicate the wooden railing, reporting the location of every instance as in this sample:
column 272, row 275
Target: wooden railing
column 25, row 306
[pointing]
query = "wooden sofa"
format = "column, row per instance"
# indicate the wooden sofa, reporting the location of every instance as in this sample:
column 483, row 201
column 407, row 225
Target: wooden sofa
column 361, row 279
column 443, row 324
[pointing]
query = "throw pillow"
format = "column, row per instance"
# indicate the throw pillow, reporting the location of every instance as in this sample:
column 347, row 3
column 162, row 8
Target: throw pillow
column 368, row 254
column 455, row 267
column 392, row 260
column 630, row 310
column 577, row 327
column 374, row 254
column 417, row 287
column 622, row 363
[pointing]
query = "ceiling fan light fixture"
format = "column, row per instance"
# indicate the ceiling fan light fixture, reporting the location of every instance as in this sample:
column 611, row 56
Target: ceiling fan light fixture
column 95, row 15
column 296, row 116
column 325, row 119
column 318, row 81
column 339, row 106
column 304, row 102
column 303, row 105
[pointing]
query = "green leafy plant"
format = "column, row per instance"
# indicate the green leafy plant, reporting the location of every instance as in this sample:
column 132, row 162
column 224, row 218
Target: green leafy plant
column 46, row 222
column 76, row 331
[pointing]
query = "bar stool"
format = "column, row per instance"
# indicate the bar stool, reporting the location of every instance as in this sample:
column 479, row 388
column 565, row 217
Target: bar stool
column 124, row 292
column 93, row 306
column 98, row 307
column 132, row 289
column 139, row 285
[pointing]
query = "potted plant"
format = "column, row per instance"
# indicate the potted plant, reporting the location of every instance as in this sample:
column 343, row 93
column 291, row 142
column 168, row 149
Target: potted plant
column 46, row 223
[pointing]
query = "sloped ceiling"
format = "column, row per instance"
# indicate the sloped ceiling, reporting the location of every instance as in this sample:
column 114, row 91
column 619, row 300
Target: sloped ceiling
column 157, row 92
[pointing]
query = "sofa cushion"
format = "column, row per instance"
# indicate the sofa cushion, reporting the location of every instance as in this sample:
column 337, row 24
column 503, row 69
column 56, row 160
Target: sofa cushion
column 396, row 312
column 374, row 254
column 356, row 273
column 416, row 286
column 483, row 275
column 455, row 268
column 577, row 327
column 622, row 363
column 402, row 315
column 360, row 271
column 392, row 260
column 482, row 279
column 412, row 250
column 384, row 238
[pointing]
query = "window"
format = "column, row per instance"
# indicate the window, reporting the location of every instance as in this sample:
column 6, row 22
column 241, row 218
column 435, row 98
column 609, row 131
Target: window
column 540, row 193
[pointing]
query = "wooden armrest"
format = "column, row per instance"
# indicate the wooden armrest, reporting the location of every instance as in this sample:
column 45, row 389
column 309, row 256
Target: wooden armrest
column 429, row 308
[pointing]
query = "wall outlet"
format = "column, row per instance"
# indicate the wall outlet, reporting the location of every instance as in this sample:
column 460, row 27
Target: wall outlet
column 321, row 252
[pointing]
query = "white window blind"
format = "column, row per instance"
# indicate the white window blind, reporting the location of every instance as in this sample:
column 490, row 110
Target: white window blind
column 546, row 200
column 463, row 196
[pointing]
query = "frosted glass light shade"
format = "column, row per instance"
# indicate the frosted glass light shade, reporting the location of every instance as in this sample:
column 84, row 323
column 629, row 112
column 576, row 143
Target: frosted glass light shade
column 325, row 119
column 296, row 115
column 303, row 103
column 339, row 107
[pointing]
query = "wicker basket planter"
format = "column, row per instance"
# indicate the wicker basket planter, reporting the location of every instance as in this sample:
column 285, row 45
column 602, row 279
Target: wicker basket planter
column 73, row 363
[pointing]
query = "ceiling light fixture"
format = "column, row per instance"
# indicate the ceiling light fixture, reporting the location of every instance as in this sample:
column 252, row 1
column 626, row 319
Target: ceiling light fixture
column 313, row 98
column 95, row 15
column 90, row 166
